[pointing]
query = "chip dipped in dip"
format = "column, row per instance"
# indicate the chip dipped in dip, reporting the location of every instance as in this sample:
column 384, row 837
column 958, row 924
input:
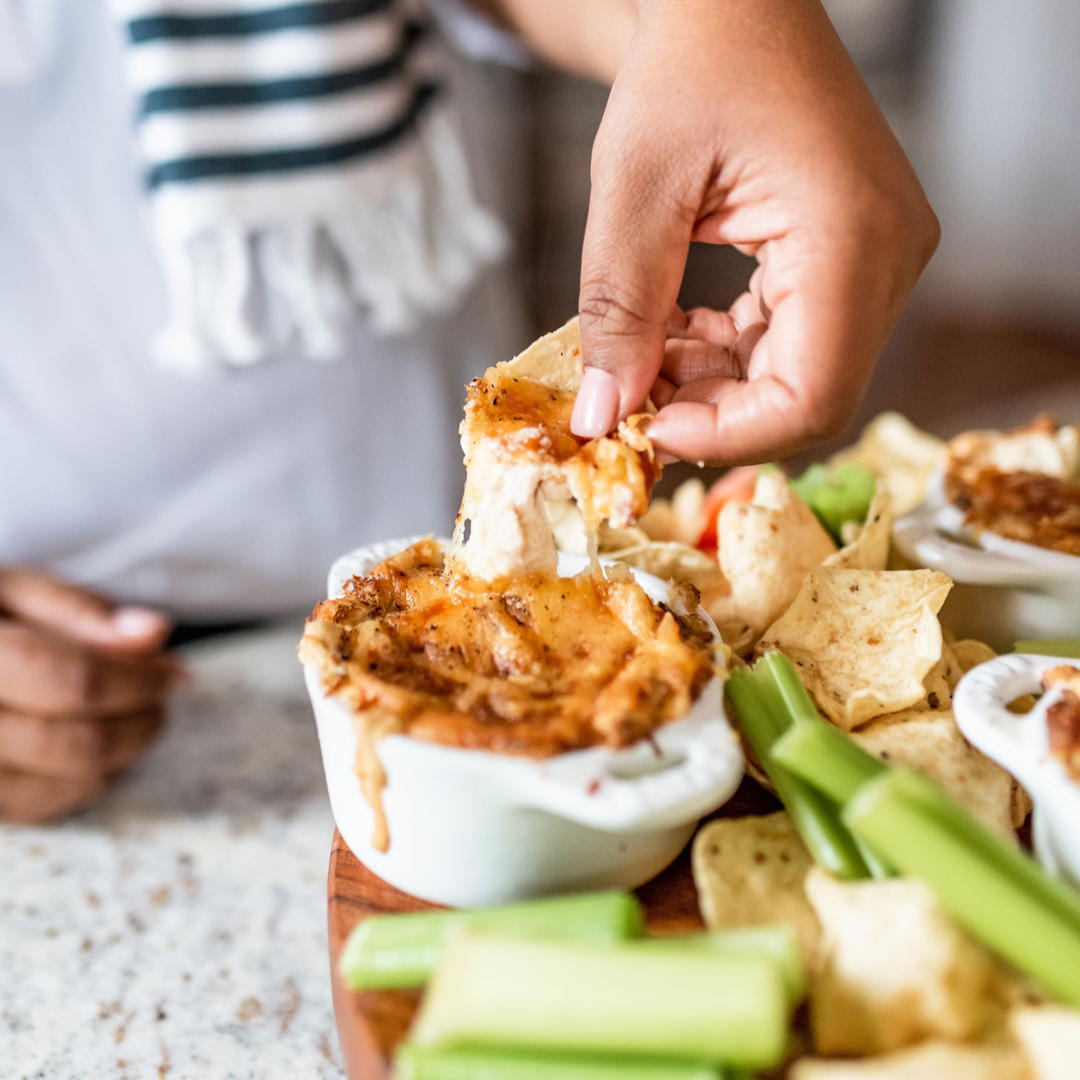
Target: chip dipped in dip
column 484, row 646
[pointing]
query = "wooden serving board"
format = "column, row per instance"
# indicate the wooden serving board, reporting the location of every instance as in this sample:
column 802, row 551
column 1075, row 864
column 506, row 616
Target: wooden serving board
column 372, row 1024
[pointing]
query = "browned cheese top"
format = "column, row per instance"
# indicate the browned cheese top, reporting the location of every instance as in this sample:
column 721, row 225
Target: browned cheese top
column 533, row 665
column 1014, row 499
column 522, row 413
column 611, row 477
column 1063, row 717
column 1026, row 506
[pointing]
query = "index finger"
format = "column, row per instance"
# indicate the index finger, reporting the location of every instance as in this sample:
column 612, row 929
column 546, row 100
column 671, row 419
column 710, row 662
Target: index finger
column 79, row 613
column 636, row 240
column 46, row 675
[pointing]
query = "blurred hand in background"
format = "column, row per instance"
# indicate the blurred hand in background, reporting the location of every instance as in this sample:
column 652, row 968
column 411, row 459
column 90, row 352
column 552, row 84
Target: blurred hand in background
column 82, row 693
column 743, row 123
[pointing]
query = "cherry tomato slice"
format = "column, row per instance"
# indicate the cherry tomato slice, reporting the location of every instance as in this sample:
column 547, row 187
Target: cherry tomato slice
column 737, row 485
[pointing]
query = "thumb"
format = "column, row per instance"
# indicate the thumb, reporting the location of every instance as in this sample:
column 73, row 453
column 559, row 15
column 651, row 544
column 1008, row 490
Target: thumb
column 636, row 242
column 80, row 614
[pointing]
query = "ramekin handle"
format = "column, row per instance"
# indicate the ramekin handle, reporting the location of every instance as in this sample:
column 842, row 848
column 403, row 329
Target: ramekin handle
column 918, row 537
column 980, row 707
column 685, row 772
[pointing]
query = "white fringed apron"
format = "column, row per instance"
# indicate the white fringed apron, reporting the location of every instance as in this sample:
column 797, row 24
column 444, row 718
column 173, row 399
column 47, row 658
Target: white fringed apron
column 303, row 169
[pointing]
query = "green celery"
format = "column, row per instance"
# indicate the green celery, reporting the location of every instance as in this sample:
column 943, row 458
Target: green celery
column 800, row 705
column 825, row 757
column 879, row 868
column 762, row 713
column 388, row 951
column 778, row 942
column 834, row 764
column 837, row 496
column 898, row 814
column 1055, row 895
column 621, row 999
column 479, row 1063
column 1066, row 647
column 811, row 482
column 845, row 765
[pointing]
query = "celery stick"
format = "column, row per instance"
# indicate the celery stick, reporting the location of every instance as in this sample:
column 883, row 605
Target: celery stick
column 799, row 704
column 837, row 496
column 1052, row 893
column 878, row 867
column 824, row 756
column 833, row 763
column 620, row 998
column 1067, row 647
column 388, row 951
column 778, row 942
column 763, row 716
column 478, row 1063
column 994, row 905
column 811, row 483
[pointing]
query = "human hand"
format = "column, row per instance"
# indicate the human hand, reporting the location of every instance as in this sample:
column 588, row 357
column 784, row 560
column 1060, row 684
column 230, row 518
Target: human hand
column 743, row 123
column 82, row 693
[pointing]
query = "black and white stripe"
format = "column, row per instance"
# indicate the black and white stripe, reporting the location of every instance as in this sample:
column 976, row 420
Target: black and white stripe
column 263, row 90
column 298, row 173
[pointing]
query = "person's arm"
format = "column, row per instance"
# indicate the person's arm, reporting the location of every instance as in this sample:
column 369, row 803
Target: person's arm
column 82, row 693
column 743, row 122
column 587, row 37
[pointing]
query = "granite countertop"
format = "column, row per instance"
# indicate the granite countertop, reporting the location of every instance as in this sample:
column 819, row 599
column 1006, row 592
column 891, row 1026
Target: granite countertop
column 178, row 930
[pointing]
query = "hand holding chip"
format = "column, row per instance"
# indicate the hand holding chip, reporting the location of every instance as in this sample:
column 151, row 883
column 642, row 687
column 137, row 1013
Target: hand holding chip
column 744, row 123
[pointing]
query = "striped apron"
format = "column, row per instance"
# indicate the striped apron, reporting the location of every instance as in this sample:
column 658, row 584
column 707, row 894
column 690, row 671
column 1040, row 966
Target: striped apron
column 303, row 169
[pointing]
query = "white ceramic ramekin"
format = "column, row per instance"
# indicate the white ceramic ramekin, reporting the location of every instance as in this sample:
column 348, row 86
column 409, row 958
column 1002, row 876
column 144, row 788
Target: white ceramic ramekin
column 1005, row 591
column 469, row 827
column 1018, row 743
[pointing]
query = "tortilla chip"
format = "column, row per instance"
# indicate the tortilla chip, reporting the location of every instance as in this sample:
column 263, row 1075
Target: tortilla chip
column 1021, row 805
column 658, row 522
column 863, row 640
column 936, row 683
column 970, row 653
column 1050, row 1037
column 931, row 1061
column 932, row 744
column 941, row 681
column 900, row 455
column 868, row 549
column 677, row 561
column 569, row 528
column 688, row 511
column 737, row 636
column 896, row 969
column 766, row 548
column 554, row 360
column 750, row 872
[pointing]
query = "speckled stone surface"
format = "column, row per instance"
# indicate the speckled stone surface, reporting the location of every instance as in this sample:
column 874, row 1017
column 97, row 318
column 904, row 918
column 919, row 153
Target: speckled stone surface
column 178, row 931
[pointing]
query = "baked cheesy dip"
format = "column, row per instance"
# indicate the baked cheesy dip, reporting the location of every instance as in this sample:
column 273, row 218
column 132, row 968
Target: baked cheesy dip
column 1063, row 717
column 533, row 665
column 483, row 646
column 1023, row 485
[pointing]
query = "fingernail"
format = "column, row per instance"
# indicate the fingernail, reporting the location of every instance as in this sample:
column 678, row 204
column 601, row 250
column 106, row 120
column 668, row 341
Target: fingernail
column 597, row 405
column 137, row 622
